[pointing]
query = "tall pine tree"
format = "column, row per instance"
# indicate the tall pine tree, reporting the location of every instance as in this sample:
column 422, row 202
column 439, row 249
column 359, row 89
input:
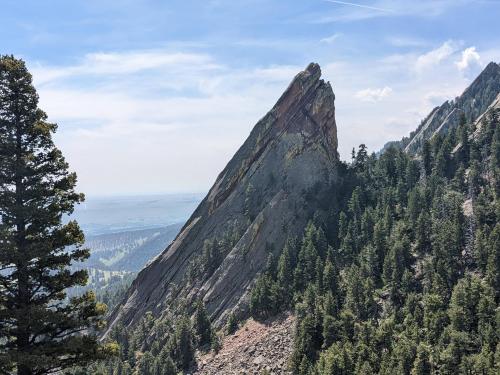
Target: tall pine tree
column 40, row 330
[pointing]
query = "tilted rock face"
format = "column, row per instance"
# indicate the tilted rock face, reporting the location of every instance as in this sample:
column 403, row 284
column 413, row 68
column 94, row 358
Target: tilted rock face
column 474, row 101
column 268, row 191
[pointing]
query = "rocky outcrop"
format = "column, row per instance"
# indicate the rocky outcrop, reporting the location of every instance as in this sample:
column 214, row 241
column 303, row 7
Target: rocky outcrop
column 256, row 348
column 474, row 101
column 268, row 191
column 494, row 106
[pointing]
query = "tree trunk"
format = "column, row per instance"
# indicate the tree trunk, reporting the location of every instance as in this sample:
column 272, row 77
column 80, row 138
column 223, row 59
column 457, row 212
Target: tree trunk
column 23, row 292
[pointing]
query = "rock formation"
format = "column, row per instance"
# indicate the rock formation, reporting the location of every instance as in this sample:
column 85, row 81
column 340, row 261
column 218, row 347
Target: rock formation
column 473, row 102
column 267, row 192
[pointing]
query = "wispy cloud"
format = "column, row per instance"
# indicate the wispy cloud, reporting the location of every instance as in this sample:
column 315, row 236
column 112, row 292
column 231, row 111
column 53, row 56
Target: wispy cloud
column 330, row 39
column 406, row 41
column 357, row 5
column 125, row 63
column 111, row 108
column 388, row 8
column 373, row 95
column 436, row 56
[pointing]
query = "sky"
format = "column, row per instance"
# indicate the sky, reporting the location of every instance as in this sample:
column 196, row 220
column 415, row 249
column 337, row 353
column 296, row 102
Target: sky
column 156, row 96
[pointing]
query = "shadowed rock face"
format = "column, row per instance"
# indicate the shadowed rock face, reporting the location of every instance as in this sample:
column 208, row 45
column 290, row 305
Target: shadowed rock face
column 267, row 192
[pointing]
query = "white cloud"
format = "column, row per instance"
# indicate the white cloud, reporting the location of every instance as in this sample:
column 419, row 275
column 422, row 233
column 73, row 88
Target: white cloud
column 124, row 130
column 470, row 61
column 356, row 5
column 330, row 39
column 172, row 124
column 406, row 41
column 373, row 95
column 125, row 63
column 435, row 56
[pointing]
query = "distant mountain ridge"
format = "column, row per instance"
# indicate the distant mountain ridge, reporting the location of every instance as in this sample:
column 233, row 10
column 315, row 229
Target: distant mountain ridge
column 130, row 250
column 473, row 102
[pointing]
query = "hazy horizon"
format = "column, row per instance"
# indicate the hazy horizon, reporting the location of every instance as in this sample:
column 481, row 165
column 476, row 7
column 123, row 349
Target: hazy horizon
column 123, row 213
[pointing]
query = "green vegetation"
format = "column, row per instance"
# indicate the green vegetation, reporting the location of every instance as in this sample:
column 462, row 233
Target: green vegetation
column 399, row 274
column 41, row 331
column 232, row 324
column 157, row 346
column 403, row 277
column 213, row 253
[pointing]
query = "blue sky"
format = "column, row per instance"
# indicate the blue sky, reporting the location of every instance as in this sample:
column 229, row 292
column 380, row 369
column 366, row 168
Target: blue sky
column 156, row 96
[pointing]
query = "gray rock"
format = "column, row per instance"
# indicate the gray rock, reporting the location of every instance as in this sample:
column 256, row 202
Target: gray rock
column 285, row 167
column 473, row 102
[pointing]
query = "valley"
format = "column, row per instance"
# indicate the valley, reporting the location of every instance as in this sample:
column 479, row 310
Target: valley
column 124, row 234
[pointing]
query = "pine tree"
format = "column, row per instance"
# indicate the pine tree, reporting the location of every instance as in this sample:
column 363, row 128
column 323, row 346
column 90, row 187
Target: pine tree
column 146, row 364
column 427, row 158
column 361, row 157
column 422, row 365
column 40, row 331
column 463, row 156
column 202, row 325
column 285, row 276
column 495, row 158
column 305, row 343
column 331, row 276
column 181, row 344
column 164, row 365
column 423, row 233
column 493, row 264
column 232, row 324
column 215, row 342
column 263, row 298
column 442, row 166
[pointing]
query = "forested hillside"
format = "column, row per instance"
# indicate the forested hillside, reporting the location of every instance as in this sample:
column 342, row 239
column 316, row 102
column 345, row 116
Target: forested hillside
column 401, row 277
column 408, row 282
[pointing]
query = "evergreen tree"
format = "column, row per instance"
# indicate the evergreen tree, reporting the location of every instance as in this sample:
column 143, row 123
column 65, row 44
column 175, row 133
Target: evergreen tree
column 202, row 325
column 495, row 156
column 263, row 297
column 40, row 332
column 361, row 157
column 232, row 324
column 181, row 344
column 463, row 156
column 147, row 364
column 422, row 365
column 305, row 347
column 493, row 263
column 427, row 158
column 285, row 276
column 164, row 365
